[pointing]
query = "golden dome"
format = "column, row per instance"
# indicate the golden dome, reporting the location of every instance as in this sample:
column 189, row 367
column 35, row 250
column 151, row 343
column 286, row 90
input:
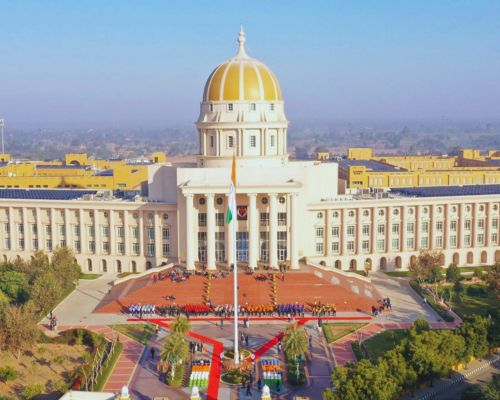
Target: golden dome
column 242, row 78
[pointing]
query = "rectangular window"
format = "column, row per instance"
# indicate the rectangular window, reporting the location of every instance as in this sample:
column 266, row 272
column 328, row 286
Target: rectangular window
column 366, row 230
column 202, row 219
column 62, row 230
column 494, row 223
column 350, row 246
column 425, row 227
column 335, row 231
column 20, row 228
column 253, row 141
column 439, row 242
column 230, row 107
column 77, row 246
column 91, row 246
column 410, row 243
column 135, row 232
column 211, row 140
column 424, row 242
column 105, row 231
column 350, row 230
column 135, row 248
column 395, row 244
column 219, row 246
column 76, row 230
column 264, row 219
column 480, row 239
column 48, row 229
column 6, row 243
column 34, row 244
column 219, row 219
column 48, row 244
column 453, row 226
column 120, row 247
column 494, row 238
column 150, row 233
column 410, row 227
column 380, row 244
column 34, row 229
column 62, row 243
column 165, row 249
column 395, row 229
column 381, row 229
column 439, row 226
column 230, row 141
column 119, row 231
column 480, row 224
column 253, row 106
column 105, row 247
column 282, row 218
column 90, row 230
column 319, row 248
column 467, row 240
column 272, row 141
column 6, row 227
column 335, row 247
column 467, row 224
column 165, row 233
column 319, row 232
column 151, row 249
column 453, row 241
column 365, row 245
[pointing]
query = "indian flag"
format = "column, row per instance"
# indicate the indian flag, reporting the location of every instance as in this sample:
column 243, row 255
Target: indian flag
column 231, row 209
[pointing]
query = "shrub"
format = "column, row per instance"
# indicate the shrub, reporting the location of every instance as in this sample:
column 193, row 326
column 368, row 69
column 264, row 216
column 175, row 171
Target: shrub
column 477, row 291
column 7, row 373
column 31, row 391
column 60, row 386
column 356, row 348
column 453, row 273
column 421, row 325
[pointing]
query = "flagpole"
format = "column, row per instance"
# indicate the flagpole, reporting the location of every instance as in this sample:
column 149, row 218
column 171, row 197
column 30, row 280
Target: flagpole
column 235, row 272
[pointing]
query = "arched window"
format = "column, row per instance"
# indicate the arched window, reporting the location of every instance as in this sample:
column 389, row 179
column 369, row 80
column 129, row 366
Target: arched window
column 134, row 266
column 104, row 266
column 89, row 265
column 118, row 266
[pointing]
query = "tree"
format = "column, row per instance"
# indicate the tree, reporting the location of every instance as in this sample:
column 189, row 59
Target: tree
column 453, row 273
column 175, row 350
column 38, row 264
column 15, row 286
column 475, row 334
column 295, row 341
column 180, row 325
column 46, row 291
column 427, row 266
column 493, row 280
column 65, row 266
column 18, row 329
column 421, row 325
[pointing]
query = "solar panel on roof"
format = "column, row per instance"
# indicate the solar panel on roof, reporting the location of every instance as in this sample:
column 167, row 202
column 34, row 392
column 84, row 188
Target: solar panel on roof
column 441, row 191
column 44, row 194
column 370, row 164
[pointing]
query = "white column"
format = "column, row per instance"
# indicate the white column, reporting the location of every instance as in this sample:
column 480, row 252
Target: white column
column 53, row 228
column 230, row 257
column 12, row 229
column 141, row 234
column 294, row 242
column 158, row 238
column 273, row 231
column 97, row 233
column 253, row 238
column 112, row 233
column 39, row 227
column 126, row 233
column 211, row 264
column 26, row 230
column 190, row 241
column 67, row 228
column 84, row 245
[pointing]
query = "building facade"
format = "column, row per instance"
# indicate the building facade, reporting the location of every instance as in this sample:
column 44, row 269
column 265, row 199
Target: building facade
column 287, row 211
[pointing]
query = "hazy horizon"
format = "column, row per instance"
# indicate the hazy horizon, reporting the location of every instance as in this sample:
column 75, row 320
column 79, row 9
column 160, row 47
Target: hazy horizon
column 118, row 64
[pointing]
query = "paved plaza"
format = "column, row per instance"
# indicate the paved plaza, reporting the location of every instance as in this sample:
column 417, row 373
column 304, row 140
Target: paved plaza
column 96, row 304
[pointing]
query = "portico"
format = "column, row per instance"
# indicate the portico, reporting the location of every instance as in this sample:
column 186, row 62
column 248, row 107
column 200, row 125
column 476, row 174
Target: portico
column 267, row 225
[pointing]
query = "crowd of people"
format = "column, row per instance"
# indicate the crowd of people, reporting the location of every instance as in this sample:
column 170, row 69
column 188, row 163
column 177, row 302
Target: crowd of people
column 323, row 310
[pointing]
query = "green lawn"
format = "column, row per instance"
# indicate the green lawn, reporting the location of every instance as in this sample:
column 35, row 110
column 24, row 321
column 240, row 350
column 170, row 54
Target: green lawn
column 378, row 345
column 139, row 332
column 89, row 276
column 335, row 331
column 469, row 303
column 124, row 274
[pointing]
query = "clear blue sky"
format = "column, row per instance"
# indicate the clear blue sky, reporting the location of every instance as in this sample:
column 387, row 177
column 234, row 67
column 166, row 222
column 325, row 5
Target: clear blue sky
column 144, row 63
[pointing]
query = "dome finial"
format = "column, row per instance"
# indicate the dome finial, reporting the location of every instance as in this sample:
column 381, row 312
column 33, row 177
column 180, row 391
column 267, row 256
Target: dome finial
column 241, row 41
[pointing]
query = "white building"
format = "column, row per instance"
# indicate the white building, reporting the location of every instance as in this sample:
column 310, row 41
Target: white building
column 287, row 210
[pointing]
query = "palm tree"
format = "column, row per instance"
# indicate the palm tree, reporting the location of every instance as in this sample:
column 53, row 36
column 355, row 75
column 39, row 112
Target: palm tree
column 174, row 350
column 180, row 325
column 295, row 341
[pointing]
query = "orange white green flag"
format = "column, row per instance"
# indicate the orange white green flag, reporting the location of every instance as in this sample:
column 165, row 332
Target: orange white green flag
column 231, row 209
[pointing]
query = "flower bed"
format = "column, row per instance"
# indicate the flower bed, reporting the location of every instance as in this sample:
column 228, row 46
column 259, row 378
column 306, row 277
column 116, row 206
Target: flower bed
column 272, row 372
column 200, row 372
